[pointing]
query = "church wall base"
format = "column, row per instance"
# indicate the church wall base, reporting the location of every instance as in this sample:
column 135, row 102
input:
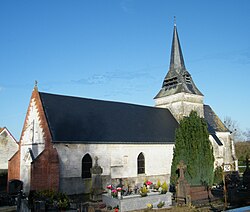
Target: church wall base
column 78, row 185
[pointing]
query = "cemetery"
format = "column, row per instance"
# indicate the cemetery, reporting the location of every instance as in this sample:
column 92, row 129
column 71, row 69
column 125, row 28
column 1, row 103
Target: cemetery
column 191, row 184
column 145, row 197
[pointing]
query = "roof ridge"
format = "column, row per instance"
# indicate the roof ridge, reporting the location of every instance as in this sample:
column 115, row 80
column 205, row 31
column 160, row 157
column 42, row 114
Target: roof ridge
column 99, row 100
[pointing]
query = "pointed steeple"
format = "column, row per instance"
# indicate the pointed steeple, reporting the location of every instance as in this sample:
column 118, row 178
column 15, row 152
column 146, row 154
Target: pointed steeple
column 178, row 79
column 176, row 60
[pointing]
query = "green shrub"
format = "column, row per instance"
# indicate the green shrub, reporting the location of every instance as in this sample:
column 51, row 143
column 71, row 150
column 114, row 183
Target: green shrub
column 144, row 191
column 218, row 175
column 193, row 147
column 52, row 198
column 164, row 187
column 160, row 204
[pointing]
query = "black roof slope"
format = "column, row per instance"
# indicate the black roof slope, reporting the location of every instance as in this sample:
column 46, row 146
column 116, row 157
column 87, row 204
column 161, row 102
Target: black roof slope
column 81, row 120
column 213, row 121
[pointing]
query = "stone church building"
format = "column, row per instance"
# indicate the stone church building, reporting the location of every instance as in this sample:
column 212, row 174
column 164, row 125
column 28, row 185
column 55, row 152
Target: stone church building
column 62, row 135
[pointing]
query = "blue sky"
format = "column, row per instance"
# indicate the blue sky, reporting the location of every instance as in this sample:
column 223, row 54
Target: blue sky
column 119, row 50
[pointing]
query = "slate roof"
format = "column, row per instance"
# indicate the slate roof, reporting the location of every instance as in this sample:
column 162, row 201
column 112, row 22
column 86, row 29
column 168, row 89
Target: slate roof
column 82, row 120
column 178, row 78
column 214, row 123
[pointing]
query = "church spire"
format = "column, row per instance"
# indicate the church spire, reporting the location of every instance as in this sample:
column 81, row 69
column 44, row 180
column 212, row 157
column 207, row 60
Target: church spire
column 177, row 80
column 176, row 60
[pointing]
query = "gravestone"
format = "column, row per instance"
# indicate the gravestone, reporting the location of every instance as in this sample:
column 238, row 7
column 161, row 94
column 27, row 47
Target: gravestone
column 182, row 187
column 97, row 190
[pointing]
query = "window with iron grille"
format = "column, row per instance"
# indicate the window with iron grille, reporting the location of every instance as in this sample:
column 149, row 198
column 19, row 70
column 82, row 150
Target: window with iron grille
column 141, row 164
column 86, row 166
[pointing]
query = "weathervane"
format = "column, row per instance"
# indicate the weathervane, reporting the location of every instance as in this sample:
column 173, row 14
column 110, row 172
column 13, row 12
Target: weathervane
column 174, row 20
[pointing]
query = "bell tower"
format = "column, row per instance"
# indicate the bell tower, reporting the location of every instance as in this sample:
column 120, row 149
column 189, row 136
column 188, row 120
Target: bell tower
column 179, row 93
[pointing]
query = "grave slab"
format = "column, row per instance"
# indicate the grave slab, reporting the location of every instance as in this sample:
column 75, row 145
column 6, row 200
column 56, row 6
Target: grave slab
column 136, row 202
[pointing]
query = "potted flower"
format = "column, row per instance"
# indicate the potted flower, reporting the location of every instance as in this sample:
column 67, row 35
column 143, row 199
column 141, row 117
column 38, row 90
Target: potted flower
column 149, row 206
column 148, row 183
column 160, row 204
column 158, row 185
column 164, row 188
column 144, row 191
column 119, row 192
column 116, row 208
column 114, row 193
column 109, row 187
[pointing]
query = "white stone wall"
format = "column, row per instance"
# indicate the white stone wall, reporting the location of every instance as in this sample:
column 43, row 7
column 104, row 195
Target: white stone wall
column 182, row 104
column 8, row 147
column 117, row 160
column 33, row 139
column 224, row 154
column 218, row 152
column 228, row 154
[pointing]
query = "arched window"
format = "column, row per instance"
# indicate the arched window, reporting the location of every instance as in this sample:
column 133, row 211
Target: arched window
column 141, row 164
column 86, row 166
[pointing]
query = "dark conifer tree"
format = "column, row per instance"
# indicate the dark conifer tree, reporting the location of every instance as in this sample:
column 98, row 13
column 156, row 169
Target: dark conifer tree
column 192, row 145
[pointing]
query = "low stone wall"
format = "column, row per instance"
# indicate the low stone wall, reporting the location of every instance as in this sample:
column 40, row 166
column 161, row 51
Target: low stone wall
column 136, row 202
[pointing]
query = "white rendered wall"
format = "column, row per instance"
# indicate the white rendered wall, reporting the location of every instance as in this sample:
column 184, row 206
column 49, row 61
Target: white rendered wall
column 117, row 160
column 181, row 104
column 33, row 138
column 8, row 147
column 225, row 153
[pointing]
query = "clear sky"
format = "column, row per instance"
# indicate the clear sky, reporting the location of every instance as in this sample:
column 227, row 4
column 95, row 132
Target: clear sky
column 119, row 50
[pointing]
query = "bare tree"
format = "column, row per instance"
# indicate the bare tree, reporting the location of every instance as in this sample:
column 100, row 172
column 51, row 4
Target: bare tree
column 233, row 126
column 247, row 134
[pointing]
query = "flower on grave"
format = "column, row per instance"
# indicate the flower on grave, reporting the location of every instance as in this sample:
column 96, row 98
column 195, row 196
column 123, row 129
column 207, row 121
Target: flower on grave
column 109, row 187
column 116, row 208
column 119, row 189
column 160, row 204
column 164, row 188
column 149, row 206
column 114, row 193
column 158, row 184
column 149, row 182
column 143, row 191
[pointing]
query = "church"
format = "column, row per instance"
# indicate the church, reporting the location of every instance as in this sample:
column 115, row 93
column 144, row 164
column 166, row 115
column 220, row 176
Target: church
column 63, row 136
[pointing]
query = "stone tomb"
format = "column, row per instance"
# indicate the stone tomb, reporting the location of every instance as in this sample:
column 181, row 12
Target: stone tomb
column 136, row 202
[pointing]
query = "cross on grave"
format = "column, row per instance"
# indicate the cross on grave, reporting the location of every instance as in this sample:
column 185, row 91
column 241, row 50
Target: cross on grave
column 182, row 167
column 182, row 187
column 96, row 161
column 96, row 171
